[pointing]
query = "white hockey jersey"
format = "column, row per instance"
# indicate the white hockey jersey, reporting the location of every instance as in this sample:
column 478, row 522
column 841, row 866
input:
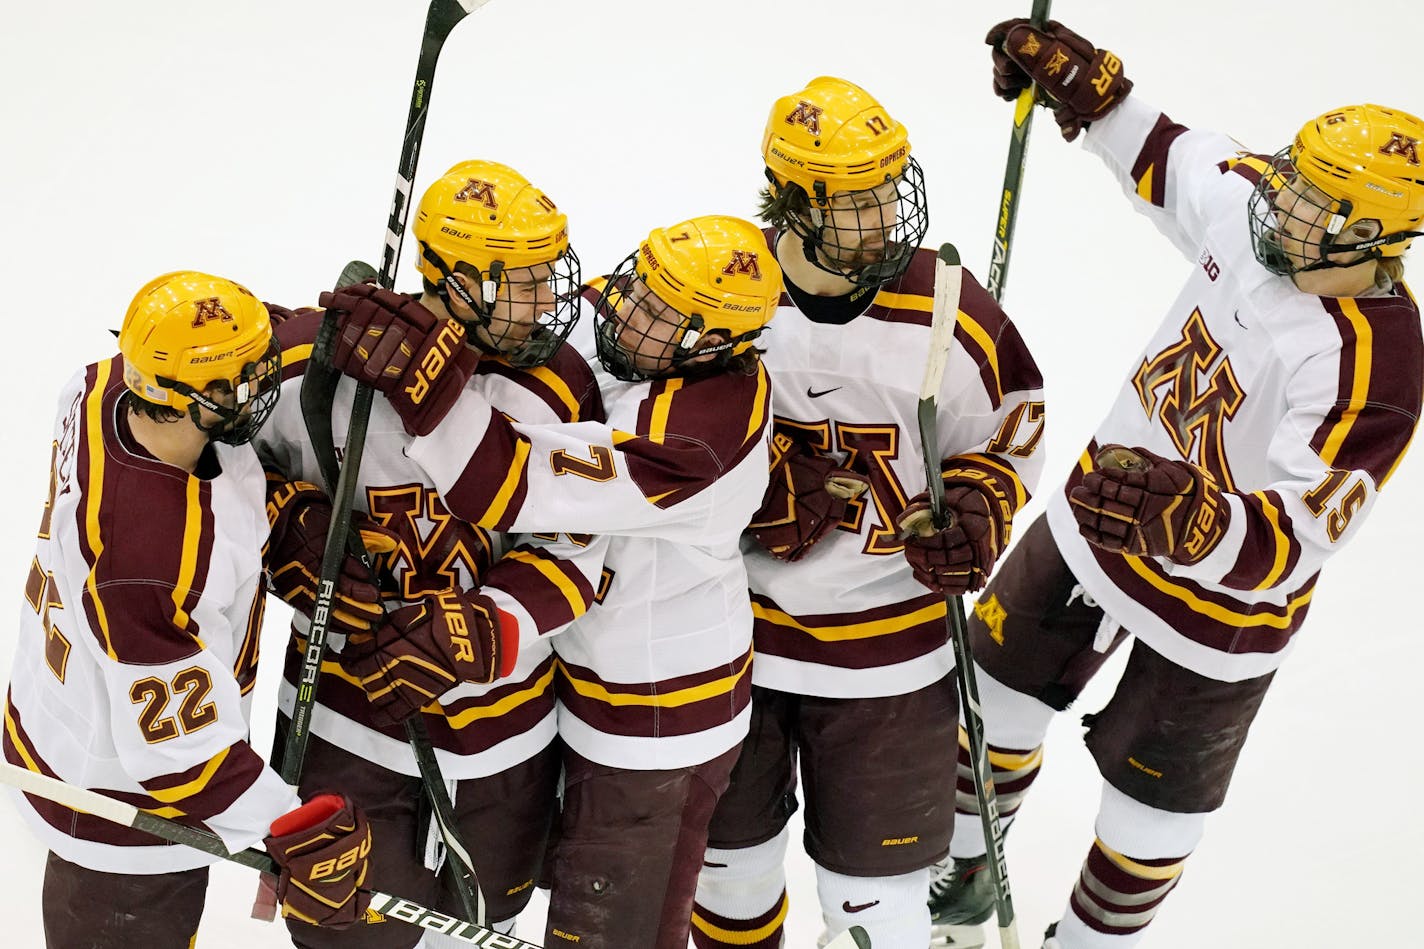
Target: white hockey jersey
column 476, row 729
column 138, row 641
column 849, row 620
column 1300, row 406
column 657, row 674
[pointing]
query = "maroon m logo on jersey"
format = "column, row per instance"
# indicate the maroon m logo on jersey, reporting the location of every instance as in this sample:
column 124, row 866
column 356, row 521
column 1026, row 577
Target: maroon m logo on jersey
column 477, row 190
column 808, row 115
column 210, row 309
column 1191, row 388
column 1403, row 146
column 743, row 262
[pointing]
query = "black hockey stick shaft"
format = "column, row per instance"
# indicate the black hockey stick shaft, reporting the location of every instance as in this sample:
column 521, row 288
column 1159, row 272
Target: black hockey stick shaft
column 318, row 391
column 126, row 815
column 1013, row 174
column 441, row 18
column 949, row 278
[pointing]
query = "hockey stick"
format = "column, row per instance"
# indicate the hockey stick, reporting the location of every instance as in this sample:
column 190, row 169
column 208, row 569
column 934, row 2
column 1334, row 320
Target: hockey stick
column 441, row 18
column 949, row 277
column 103, row 806
column 319, row 382
column 1013, row 173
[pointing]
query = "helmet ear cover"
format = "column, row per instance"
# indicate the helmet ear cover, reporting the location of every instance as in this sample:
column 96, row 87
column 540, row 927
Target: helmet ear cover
column 489, row 286
column 258, row 386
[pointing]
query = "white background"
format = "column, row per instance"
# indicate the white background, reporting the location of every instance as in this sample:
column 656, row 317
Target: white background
column 258, row 140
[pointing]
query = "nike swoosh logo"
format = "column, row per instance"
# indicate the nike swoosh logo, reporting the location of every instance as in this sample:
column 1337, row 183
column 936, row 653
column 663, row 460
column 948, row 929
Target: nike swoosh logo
column 846, row 907
column 816, row 395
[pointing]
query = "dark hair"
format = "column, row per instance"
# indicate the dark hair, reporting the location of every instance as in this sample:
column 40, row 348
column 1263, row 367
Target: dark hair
column 779, row 208
column 131, row 402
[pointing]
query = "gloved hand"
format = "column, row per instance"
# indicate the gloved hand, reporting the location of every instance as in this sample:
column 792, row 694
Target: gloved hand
column 419, row 361
column 1084, row 82
column 804, row 501
column 323, row 849
column 299, row 515
column 427, row 648
column 956, row 559
column 1140, row 503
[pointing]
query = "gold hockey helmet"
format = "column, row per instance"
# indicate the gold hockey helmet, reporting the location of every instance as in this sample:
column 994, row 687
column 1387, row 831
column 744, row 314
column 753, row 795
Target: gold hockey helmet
column 186, row 331
column 707, row 274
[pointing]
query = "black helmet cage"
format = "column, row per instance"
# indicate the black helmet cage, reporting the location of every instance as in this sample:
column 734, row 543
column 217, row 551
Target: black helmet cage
column 551, row 329
column 903, row 238
column 1265, row 220
column 258, row 388
column 621, row 361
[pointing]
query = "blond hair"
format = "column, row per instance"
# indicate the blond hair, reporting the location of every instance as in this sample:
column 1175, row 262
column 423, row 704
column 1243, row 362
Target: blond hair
column 1393, row 268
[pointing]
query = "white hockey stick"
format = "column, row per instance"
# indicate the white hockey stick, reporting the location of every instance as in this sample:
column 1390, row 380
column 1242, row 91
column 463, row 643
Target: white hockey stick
column 949, row 279
column 92, row 802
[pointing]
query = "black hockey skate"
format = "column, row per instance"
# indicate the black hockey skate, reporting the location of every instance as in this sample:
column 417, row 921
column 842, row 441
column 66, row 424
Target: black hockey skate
column 961, row 891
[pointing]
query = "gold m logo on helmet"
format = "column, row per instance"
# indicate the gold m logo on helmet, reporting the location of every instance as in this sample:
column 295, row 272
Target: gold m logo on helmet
column 743, row 262
column 808, row 115
column 1055, row 63
column 210, row 309
column 1403, row 146
column 477, row 190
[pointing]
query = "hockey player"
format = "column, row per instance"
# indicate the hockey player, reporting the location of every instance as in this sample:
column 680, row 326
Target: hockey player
column 853, row 674
column 1248, row 443
column 138, row 639
column 498, row 272
column 654, row 684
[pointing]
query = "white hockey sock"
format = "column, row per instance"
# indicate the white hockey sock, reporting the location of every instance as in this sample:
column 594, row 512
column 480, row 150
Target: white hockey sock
column 744, row 883
column 1011, row 720
column 891, row 910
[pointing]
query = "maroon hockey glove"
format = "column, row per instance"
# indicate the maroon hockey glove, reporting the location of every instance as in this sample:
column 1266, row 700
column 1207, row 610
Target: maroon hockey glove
column 957, row 559
column 416, row 359
column 427, row 648
column 1085, row 83
column 1142, row 504
column 323, row 849
column 805, row 499
column 300, row 515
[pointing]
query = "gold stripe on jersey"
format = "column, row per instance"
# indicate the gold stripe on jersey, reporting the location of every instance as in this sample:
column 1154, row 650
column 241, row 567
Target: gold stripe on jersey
column 1281, row 543
column 1400, row 457
column 188, row 565
column 189, row 788
column 980, row 336
column 551, row 572
column 296, row 354
column 735, row 937
column 505, row 705
column 1145, row 871
column 1144, row 184
column 1221, row 614
column 1359, row 384
column 14, row 732
column 94, row 489
column 673, row 699
column 662, row 407
column 559, row 387
column 905, row 301
column 758, row 416
column 849, row 631
column 497, row 507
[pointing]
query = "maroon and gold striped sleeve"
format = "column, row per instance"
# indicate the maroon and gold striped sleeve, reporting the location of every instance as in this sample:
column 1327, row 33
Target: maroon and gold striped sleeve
column 550, row 588
column 1149, row 171
column 689, row 433
column 1381, row 384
